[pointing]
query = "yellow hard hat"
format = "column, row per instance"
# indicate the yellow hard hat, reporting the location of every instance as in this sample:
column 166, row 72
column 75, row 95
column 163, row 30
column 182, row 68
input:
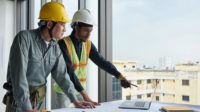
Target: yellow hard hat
column 54, row 11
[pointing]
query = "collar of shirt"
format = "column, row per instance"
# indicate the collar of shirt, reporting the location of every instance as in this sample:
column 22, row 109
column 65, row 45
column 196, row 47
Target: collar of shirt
column 47, row 43
column 52, row 42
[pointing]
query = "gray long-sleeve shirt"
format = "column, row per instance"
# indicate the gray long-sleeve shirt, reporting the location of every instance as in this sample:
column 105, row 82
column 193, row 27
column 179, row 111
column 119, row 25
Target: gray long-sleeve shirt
column 31, row 61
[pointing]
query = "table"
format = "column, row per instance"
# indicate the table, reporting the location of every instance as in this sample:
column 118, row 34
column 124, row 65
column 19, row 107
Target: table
column 113, row 107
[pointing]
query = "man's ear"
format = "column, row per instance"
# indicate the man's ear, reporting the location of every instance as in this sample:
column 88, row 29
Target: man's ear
column 49, row 24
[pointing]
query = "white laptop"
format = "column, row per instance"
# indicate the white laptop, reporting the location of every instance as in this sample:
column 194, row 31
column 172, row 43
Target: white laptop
column 138, row 104
column 135, row 104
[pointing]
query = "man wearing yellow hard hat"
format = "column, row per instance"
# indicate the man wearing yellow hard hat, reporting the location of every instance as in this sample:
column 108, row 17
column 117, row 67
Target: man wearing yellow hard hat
column 34, row 55
column 77, row 49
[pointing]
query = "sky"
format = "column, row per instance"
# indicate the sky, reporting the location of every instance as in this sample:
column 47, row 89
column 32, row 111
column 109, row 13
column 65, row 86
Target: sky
column 145, row 30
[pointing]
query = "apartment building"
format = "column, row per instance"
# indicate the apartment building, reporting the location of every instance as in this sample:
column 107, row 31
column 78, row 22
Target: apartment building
column 178, row 85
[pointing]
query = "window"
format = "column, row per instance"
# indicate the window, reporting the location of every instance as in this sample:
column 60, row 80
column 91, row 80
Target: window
column 128, row 97
column 185, row 82
column 157, row 81
column 71, row 7
column 139, row 81
column 156, row 53
column 148, row 95
column 157, row 98
column 93, row 81
column 148, row 81
column 7, row 21
column 185, row 98
column 139, row 96
column 116, row 89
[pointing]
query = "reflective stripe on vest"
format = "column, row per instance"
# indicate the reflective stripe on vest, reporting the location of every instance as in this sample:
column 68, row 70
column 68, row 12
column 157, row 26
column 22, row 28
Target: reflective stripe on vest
column 80, row 66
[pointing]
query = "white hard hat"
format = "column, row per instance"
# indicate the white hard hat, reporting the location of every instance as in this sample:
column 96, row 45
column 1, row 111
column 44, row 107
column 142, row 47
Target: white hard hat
column 84, row 16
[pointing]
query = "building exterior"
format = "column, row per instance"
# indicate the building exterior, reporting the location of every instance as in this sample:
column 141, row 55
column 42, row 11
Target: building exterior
column 116, row 89
column 179, row 85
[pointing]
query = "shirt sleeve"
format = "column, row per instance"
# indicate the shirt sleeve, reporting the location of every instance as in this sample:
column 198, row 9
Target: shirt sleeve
column 70, row 68
column 17, row 68
column 99, row 60
column 60, row 75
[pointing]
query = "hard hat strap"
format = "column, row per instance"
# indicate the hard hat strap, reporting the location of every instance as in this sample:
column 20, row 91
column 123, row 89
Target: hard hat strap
column 51, row 29
column 78, row 33
column 77, row 28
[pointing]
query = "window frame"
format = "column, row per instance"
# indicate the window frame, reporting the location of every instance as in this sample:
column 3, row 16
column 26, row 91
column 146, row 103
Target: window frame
column 185, row 82
column 186, row 98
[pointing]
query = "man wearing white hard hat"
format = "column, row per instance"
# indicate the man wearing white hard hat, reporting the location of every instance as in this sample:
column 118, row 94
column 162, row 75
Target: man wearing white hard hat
column 77, row 49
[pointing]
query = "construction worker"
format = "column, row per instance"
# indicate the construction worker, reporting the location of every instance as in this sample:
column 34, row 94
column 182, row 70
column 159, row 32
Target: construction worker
column 77, row 49
column 33, row 55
